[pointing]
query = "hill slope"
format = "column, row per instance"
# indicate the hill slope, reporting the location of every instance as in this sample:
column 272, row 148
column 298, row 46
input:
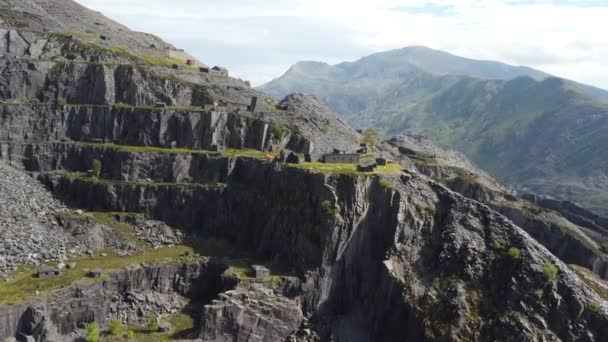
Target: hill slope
column 539, row 132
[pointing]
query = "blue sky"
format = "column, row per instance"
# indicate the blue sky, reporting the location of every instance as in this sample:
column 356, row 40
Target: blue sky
column 259, row 39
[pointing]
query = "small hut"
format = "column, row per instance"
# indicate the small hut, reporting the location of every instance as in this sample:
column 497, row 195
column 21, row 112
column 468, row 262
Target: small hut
column 47, row 272
column 95, row 273
column 260, row 272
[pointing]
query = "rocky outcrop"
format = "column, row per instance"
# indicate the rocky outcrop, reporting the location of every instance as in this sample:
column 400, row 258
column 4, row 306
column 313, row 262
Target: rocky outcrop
column 573, row 213
column 253, row 313
column 143, row 127
column 116, row 297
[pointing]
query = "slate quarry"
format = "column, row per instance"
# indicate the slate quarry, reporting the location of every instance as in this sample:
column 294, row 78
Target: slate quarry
column 191, row 195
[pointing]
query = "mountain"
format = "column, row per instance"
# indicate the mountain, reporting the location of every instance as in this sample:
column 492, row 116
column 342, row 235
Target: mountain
column 146, row 198
column 532, row 130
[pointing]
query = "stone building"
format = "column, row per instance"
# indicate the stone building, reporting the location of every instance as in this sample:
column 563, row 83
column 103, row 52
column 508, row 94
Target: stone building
column 96, row 273
column 260, row 272
column 46, row 272
column 342, row 158
column 221, row 71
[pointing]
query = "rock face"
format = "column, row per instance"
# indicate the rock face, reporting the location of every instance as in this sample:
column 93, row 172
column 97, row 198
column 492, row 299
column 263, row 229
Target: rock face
column 250, row 315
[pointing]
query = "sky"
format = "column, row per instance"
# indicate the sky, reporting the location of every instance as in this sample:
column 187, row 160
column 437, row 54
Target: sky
column 259, row 40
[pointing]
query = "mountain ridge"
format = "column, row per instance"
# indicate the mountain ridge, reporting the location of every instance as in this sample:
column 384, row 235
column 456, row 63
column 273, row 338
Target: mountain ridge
column 457, row 111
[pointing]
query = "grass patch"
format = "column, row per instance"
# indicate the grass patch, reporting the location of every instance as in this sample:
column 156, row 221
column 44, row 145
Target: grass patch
column 593, row 306
column 23, row 285
column 422, row 159
column 231, row 152
column 592, row 280
column 549, row 272
column 369, row 137
column 463, row 174
column 514, row 253
column 384, row 184
column 84, row 35
column 121, row 105
column 345, row 169
column 182, row 322
column 125, row 230
column 241, row 269
column 425, row 208
column 329, row 208
column 92, row 179
column 277, row 130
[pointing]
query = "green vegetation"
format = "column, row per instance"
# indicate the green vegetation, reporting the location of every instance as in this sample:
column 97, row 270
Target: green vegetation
column 425, row 208
column 56, row 70
column 231, row 152
column 84, row 35
column 592, row 280
column 277, row 130
column 130, row 335
column 514, row 253
column 384, row 184
column 499, row 244
column 97, row 166
column 152, row 323
column 147, row 184
column 463, row 174
column 93, row 332
column 345, row 169
column 421, row 158
column 593, row 306
column 61, row 101
column 115, row 327
column 604, row 247
column 164, row 61
column 329, row 208
column 121, row 105
column 369, row 137
column 182, row 322
column 123, row 229
column 549, row 272
column 24, row 284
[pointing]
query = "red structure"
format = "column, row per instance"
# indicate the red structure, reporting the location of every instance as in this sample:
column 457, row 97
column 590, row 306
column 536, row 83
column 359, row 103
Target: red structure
column 190, row 62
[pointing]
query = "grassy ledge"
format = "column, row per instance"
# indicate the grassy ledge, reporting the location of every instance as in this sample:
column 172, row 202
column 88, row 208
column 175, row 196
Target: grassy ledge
column 231, row 152
column 345, row 169
column 24, row 284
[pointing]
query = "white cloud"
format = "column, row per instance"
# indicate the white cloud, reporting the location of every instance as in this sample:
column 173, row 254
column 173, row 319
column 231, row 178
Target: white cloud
column 259, row 39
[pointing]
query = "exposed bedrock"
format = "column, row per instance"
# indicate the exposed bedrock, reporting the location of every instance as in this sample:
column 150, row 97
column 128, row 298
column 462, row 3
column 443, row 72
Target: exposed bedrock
column 573, row 213
column 574, row 238
column 133, row 126
column 71, row 309
column 273, row 212
column 412, row 261
column 253, row 313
